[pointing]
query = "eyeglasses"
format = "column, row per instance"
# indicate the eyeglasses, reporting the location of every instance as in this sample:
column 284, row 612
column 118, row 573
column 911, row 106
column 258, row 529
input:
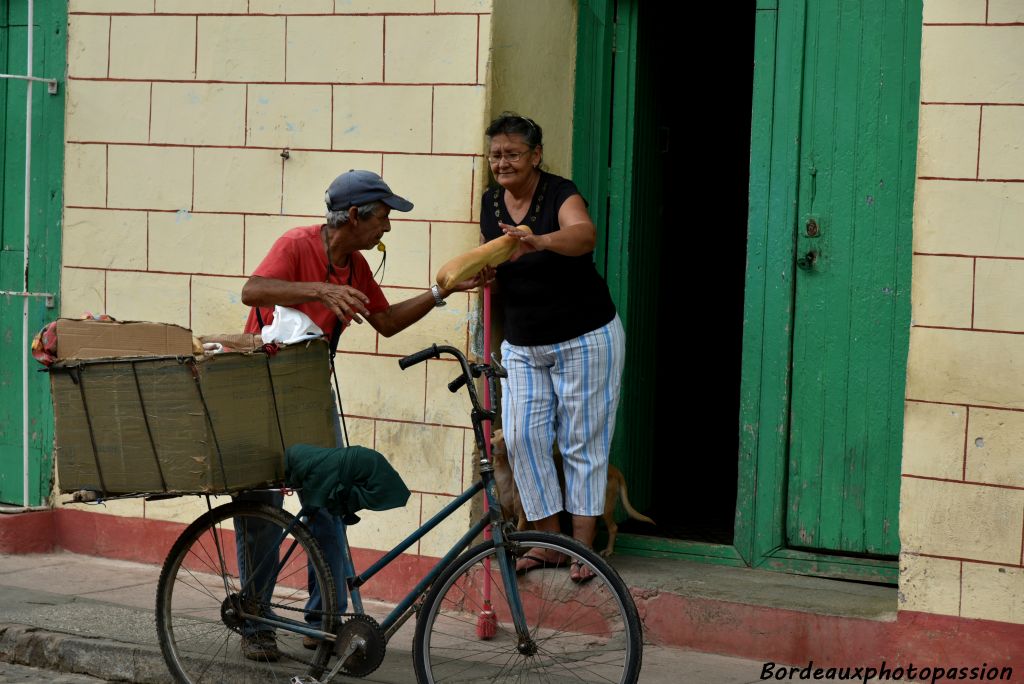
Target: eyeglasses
column 511, row 157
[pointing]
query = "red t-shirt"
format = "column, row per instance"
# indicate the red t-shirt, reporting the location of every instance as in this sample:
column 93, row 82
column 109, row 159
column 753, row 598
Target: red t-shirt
column 300, row 256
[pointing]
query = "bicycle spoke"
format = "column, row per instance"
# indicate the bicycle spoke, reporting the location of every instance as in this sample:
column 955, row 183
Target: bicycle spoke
column 576, row 632
column 203, row 634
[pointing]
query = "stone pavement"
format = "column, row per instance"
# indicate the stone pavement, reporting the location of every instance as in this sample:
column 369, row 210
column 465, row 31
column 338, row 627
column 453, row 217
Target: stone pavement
column 22, row 674
column 82, row 614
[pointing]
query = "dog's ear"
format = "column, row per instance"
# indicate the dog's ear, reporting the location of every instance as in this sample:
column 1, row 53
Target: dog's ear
column 497, row 437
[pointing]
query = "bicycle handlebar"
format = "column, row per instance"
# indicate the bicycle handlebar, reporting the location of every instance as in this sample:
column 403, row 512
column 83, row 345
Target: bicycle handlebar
column 469, row 371
column 431, row 352
column 456, row 384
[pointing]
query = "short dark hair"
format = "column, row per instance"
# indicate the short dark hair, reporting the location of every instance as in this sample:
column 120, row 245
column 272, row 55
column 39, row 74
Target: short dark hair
column 510, row 123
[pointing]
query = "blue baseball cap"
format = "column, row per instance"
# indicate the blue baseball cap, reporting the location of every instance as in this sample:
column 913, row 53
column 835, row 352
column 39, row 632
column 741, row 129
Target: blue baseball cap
column 355, row 188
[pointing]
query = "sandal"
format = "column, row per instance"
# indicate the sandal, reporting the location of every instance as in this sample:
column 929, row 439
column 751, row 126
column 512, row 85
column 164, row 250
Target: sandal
column 576, row 570
column 534, row 562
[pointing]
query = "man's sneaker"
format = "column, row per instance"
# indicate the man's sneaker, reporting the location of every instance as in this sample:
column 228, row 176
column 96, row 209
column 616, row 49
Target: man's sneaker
column 261, row 646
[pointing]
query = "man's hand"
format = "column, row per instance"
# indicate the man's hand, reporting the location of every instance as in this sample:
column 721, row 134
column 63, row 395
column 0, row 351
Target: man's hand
column 481, row 279
column 345, row 301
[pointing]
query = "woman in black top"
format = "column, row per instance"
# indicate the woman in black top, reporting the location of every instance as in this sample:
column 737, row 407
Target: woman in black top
column 564, row 345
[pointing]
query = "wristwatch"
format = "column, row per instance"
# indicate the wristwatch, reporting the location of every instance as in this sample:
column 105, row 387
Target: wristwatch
column 438, row 299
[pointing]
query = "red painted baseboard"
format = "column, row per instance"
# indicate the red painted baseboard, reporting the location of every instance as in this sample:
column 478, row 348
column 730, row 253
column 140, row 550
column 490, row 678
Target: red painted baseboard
column 797, row 638
column 29, row 532
column 145, row 540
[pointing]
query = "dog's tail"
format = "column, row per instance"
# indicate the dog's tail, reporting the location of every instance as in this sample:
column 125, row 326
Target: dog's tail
column 632, row 512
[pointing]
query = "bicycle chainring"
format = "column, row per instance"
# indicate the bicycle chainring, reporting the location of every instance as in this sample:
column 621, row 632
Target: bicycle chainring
column 369, row 655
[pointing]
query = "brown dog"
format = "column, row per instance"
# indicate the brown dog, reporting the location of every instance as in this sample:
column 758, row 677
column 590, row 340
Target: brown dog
column 512, row 507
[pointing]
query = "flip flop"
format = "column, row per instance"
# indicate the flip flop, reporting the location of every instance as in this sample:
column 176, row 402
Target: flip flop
column 537, row 563
column 575, row 572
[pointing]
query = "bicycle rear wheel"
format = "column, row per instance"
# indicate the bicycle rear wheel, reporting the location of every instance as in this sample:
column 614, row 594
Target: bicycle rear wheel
column 200, row 598
column 586, row 632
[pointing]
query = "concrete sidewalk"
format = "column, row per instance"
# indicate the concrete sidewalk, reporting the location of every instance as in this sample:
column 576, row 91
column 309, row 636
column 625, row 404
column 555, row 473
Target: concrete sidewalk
column 95, row 616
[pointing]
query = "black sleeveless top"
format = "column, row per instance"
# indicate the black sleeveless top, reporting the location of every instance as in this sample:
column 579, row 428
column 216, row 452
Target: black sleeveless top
column 549, row 297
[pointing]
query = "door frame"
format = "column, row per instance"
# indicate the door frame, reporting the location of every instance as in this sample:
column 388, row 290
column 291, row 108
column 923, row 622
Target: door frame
column 602, row 167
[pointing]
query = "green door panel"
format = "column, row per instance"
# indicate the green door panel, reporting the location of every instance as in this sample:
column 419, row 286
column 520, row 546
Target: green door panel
column 50, row 20
column 852, row 303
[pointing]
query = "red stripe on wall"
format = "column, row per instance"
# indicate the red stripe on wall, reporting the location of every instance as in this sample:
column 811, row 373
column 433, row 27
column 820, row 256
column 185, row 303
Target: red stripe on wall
column 195, row 57
column 106, row 176
column 974, row 288
column 948, row 403
column 110, row 38
column 969, row 256
column 967, row 432
column 972, row 180
column 977, row 330
column 987, row 104
column 960, row 559
column 977, row 166
column 288, row 14
column 322, row 83
column 992, row 485
column 391, row 153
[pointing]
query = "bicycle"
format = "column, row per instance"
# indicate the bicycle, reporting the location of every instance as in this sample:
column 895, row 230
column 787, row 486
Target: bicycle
column 476, row 619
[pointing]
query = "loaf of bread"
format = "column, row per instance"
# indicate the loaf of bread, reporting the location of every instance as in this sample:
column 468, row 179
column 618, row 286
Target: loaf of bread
column 467, row 265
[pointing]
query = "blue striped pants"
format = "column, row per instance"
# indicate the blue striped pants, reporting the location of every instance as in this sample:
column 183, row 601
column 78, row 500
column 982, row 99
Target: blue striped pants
column 568, row 391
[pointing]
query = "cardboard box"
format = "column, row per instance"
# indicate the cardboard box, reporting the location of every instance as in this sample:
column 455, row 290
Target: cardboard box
column 209, row 424
column 242, row 342
column 91, row 339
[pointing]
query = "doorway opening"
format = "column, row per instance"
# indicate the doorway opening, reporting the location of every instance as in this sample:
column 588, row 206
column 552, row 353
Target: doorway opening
column 688, row 247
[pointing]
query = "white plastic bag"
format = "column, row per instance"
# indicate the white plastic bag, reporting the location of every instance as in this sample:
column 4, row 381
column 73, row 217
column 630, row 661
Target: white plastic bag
column 290, row 326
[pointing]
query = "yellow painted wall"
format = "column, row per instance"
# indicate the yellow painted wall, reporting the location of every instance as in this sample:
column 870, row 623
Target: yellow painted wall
column 962, row 502
column 533, row 70
column 175, row 187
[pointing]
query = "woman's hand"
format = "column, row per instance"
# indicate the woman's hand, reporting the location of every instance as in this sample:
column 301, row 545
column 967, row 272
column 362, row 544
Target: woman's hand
column 575, row 236
column 528, row 242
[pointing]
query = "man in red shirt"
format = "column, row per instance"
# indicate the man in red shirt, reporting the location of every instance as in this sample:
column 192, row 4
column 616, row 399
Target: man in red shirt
column 319, row 270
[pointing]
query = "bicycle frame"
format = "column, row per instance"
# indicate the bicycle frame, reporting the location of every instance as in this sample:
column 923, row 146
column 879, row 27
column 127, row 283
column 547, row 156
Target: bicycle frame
column 492, row 518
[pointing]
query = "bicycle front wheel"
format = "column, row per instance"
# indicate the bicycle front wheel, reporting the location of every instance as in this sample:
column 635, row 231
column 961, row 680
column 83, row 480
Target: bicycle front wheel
column 237, row 560
column 577, row 632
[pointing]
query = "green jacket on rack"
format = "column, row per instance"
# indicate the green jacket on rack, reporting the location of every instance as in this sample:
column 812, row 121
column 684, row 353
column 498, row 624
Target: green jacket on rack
column 344, row 480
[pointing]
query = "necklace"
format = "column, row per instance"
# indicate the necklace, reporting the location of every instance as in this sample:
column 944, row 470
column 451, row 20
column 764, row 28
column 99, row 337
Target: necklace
column 531, row 215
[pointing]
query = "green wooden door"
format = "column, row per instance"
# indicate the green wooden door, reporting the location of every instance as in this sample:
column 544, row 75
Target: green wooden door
column 50, row 20
column 833, row 140
column 855, row 178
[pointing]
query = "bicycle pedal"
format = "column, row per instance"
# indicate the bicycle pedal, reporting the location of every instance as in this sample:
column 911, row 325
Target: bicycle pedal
column 303, row 679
